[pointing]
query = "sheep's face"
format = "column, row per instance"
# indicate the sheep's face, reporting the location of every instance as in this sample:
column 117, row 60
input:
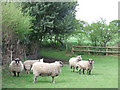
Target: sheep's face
column 91, row 61
column 60, row 62
column 17, row 60
column 79, row 58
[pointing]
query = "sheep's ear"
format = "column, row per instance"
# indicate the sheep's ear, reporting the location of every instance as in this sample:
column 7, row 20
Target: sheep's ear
column 89, row 60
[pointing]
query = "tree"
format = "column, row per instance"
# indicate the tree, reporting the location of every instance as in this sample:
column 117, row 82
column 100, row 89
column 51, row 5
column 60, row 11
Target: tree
column 102, row 33
column 15, row 28
column 80, row 33
column 107, row 33
column 53, row 19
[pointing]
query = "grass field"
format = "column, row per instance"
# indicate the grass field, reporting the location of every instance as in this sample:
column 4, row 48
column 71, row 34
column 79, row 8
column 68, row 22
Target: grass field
column 104, row 75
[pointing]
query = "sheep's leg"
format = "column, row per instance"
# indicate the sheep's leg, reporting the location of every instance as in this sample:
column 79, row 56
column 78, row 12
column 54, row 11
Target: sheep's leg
column 79, row 70
column 25, row 72
column 83, row 71
column 18, row 74
column 28, row 71
column 35, row 79
column 14, row 73
column 89, row 72
column 53, row 80
column 71, row 68
column 76, row 68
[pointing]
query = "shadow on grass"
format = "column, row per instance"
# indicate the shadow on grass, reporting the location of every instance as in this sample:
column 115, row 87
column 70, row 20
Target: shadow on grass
column 39, row 81
column 88, row 74
column 46, row 81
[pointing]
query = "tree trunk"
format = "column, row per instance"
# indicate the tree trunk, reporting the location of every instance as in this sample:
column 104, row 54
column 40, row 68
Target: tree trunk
column 104, row 44
column 60, row 42
column 95, row 43
column 11, row 56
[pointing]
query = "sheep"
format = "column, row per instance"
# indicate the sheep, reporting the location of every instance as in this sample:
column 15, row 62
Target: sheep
column 16, row 66
column 85, row 65
column 46, row 69
column 73, row 61
column 28, row 64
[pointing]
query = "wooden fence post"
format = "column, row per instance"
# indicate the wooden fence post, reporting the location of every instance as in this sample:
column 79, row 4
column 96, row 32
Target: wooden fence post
column 89, row 49
column 99, row 50
column 106, row 51
column 73, row 49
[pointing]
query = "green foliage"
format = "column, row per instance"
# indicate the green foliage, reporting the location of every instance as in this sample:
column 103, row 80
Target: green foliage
column 96, row 34
column 53, row 19
column 14, row 20
column 15, row 31
column 101, row 33
column 80, row 33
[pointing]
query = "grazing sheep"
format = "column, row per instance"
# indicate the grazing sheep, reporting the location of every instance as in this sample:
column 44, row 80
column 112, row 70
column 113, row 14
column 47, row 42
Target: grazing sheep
column 85, row 65
column 46, row 69
column 73, row 61
column 28, row 64
column 16, row 66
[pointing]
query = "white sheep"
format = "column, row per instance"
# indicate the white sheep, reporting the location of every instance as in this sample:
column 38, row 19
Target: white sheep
column 46, row 69
column 28, row 64
column 16, row 66
column 85, row 65
column 73, row 61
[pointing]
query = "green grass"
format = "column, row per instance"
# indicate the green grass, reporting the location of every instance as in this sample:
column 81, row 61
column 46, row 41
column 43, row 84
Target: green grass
column 55, row 54
column 104, row 75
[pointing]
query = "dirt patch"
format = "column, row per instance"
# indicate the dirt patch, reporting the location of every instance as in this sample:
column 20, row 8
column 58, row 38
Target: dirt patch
column 51, row 60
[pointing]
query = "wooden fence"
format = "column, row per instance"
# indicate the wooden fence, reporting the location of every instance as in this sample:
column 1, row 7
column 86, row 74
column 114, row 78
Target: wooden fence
column 89, row 49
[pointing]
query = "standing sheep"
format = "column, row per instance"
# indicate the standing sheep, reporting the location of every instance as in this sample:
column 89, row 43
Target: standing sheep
column 46, row 69
column 85, row 65
column 16, row 66
column 28, row 64
column 73, row 61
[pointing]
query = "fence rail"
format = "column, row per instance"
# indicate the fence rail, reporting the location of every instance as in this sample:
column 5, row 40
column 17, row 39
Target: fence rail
column 107, row 50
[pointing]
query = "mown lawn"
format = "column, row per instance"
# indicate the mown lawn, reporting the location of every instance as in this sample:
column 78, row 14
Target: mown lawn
column 104, row 75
